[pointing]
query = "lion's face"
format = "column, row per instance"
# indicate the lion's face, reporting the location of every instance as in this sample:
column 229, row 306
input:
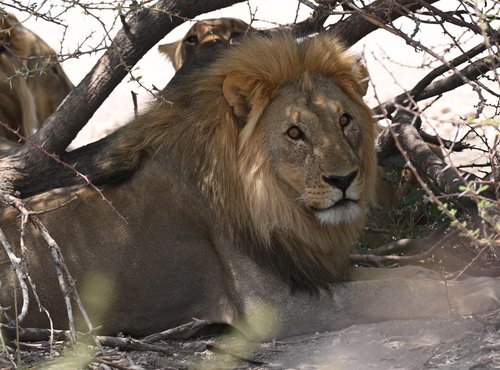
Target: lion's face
column 203, row 34
column 315, row 143
column 282, row 148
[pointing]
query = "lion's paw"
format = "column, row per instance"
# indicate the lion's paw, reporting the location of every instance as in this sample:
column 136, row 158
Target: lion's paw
column 474, row 295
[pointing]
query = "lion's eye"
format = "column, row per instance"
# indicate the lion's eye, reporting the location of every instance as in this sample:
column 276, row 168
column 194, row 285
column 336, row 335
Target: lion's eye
column 235, row 38
column 295, row 133
column 345, row 119
column 192, row 39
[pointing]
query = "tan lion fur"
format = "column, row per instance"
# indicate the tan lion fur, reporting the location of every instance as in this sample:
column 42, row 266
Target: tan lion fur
column 222, row 212
column 32, row 83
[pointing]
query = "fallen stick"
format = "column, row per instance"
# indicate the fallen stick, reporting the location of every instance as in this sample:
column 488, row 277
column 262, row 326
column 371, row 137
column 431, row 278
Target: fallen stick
column 44, row 335
column 185, row 330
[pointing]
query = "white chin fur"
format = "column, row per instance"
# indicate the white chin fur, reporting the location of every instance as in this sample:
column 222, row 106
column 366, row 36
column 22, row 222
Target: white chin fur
column 345, row 214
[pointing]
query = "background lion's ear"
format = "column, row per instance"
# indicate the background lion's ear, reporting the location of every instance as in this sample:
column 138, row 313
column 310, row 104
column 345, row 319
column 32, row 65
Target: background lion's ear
column 363, row 77
column 12, row 35
column 170, row 51
column 235, row 95
column 7, row 23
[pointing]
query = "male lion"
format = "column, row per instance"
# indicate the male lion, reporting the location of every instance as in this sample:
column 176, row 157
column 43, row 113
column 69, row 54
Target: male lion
column 32, row 83
column 251, row 186
column 203, row 35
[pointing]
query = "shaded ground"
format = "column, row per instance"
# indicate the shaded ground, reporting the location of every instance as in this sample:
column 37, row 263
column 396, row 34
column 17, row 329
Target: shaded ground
column 460, row 343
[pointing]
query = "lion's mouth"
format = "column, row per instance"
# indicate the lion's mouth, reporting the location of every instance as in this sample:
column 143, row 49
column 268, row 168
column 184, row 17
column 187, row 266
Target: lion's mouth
column 343, row 211
column 342, row 203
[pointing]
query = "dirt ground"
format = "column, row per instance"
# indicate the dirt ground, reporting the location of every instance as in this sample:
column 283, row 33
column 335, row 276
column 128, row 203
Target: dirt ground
column 417, row 344
column 454, row 343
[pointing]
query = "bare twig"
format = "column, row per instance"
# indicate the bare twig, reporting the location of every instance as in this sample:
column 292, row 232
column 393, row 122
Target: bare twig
column 356, row 26
column 21, row 275
column 378, row 260
column 449, row 180
column 380, row 23
column 472, row 261
column 424, row 89
column 65, row 279
column 458, row 22
column 469, row 73
column 56, row 159
column 185, row 330
column 36, row 334
column 130, row 344
column 124, row 344
column 408, row 140
column 386, row 252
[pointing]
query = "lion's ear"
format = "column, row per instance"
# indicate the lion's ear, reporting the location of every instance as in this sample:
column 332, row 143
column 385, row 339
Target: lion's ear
column 11, row 35
column 362, row 75
column 7, row 24
column 234, row 92
column 170, row 51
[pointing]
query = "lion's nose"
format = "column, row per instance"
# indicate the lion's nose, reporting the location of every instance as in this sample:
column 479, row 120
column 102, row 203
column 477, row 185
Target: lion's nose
column 341, row 182
column 212, row 38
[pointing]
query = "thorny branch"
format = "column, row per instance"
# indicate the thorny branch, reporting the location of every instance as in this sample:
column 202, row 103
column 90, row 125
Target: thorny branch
column 357, row 25
column 427, row 87
column 447, row 17
column 390, row 28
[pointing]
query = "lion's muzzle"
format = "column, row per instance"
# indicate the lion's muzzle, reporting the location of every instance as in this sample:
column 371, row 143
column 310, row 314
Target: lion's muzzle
column 341, row 182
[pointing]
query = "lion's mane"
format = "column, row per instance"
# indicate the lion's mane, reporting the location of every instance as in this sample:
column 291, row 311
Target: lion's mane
column 197, row 128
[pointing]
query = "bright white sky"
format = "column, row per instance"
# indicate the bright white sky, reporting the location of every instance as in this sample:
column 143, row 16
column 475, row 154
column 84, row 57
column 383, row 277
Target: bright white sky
column 390, row 77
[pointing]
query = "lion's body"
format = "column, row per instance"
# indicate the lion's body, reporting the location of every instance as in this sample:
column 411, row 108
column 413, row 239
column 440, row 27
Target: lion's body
column 32, row 83
column 203, row 35
column 245, row 202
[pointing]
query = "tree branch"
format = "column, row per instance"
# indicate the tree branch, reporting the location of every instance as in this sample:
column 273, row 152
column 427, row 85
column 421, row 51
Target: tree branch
column 425, row 161
column 357, row 26
column 425, row 88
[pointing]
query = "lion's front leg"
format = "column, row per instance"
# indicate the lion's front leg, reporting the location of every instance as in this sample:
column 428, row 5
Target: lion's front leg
column 279, row 313
column 401, row 298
